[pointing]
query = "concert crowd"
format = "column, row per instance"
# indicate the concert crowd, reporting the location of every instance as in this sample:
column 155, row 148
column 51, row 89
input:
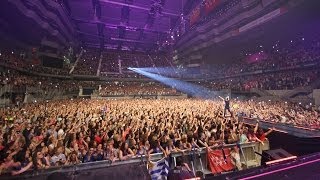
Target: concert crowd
column 42, row 135
column 67, row 132
column 282, row 55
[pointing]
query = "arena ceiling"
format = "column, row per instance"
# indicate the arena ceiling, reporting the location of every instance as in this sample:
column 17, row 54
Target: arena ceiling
column 132, row 24
column 116, row 24
column 126, row 24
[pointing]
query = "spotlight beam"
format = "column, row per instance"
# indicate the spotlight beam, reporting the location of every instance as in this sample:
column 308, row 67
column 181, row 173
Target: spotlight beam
column 185, row 87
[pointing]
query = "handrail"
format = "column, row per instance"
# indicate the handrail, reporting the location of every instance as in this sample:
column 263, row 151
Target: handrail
column 292, row 125
column 291, row 129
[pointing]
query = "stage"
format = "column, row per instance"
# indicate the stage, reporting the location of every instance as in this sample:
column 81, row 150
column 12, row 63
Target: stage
column 295, row 140
column 303, row 168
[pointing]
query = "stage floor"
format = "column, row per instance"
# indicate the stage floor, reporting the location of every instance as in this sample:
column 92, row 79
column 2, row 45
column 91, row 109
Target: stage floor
column 303, row 168
column 303, row 171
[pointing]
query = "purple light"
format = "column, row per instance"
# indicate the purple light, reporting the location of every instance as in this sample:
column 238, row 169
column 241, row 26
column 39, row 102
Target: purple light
column 259, row 56
column 279, row 170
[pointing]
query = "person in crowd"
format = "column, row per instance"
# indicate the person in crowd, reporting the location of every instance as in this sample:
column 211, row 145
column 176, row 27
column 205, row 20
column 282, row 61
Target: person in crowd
column 181, row 171
column 226, row 105
column 59, row 158
column 125, row 152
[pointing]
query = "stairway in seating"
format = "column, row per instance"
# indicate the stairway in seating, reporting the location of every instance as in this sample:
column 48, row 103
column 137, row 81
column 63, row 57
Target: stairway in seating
column 5, row 88
column 264, row 95
column 261, row 92
column 302, row 90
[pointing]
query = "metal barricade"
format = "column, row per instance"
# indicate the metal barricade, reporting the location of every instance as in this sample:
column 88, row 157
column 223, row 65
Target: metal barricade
column 197, row 158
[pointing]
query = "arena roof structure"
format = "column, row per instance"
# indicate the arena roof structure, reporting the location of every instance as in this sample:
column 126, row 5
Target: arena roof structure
column 126, row 24
column 136, row 25
column 112, row 24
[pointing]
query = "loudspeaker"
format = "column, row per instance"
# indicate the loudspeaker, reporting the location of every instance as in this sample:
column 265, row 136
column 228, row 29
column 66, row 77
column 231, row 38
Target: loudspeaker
column 275, row 156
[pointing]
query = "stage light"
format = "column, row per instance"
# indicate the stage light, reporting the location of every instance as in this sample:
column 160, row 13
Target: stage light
column 185, row 87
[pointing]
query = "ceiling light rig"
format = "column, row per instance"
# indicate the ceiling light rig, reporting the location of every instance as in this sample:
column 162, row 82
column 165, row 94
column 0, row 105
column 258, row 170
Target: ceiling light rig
column 157, row 8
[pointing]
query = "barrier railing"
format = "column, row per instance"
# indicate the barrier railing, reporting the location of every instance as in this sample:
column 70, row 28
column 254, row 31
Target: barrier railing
column 296, row 130
column 197, row 159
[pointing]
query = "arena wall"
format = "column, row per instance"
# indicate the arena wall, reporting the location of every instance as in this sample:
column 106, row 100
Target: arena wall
column 316, row 96
column 278, row 92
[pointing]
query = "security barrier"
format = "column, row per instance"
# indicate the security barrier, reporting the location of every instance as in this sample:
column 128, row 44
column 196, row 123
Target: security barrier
column 136, row 167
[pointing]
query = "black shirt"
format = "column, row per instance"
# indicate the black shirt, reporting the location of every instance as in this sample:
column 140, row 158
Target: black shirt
column 227, row 104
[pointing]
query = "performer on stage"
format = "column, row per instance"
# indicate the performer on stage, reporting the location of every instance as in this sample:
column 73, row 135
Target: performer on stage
column 226, row 105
